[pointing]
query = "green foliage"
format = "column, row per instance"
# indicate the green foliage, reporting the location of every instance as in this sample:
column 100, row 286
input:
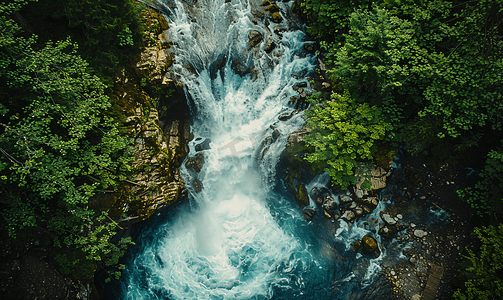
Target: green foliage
column 104, row 29
column 342, row 132
column 126, row 37
column 329, row 20
column 418, row 62
column 485, row 264
column 487, row 196
column 58, row 149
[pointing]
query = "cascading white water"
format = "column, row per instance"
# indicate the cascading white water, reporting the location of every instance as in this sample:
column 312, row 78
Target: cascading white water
column 231, row 246
column 241, row 237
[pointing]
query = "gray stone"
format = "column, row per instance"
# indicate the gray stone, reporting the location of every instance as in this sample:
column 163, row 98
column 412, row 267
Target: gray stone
column 348, row 216
column 275, row 134
column 399, row 216
column 309, row 213
column 388, row 219
column 345, row 199
column 420, row 233
column 205, row 145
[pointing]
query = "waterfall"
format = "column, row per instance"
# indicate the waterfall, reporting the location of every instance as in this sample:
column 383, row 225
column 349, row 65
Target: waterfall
column 241, row 236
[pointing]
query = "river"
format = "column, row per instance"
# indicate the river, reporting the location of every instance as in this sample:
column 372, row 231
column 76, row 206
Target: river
column 242, row 236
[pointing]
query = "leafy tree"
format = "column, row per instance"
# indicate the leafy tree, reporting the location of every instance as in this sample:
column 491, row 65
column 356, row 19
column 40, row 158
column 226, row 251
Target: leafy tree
column 58, row 149
column 485, row 264
column 487, row 195
column 418, row 63
column 342, row 132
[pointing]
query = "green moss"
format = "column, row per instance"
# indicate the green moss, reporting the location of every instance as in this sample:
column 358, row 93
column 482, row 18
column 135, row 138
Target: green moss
column 276, row 17
column 273, row 8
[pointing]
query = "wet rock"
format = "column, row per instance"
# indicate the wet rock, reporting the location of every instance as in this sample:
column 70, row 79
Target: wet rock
column 317, row 194
column 285, row 116
column 358, row 211
column 388, row 231
column 329, row 204
column 275, row 134
column 327, row 215
column 367, row 209
column 205, row 145
column 353, row 205
column 301, row 84
column 344, row 199
column 255, row 38
column 420, row 233
column 369, row 244
column 360, row 193
column 272, row 8
column 198, row 185
column 388, row 219
column 348, row 216
column 196, row 162
column 302, row 197
column 399, row 216
column 276, row 17
column 356, row 246
column 309, row 213
column 269, row 46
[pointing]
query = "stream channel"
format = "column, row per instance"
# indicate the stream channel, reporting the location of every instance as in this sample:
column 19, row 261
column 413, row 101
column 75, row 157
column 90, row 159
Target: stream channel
column 243, row 235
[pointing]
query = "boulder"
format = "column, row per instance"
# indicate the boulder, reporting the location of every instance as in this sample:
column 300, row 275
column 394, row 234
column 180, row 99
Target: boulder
column 275, row 134
column 285, row 116
column 198, row 185
column 255, row 38
column 344, row 199
column 348, row 216
column 276, row 17
column 196, row 162
column 272, row 8
column 356, row 246
column 369, row 244
column 317, row 194
column 329, row 204
column 309, row 213
column 302, row 197
column 205, row 145
column 420, row 233
column 269, row 46
column 388, row 219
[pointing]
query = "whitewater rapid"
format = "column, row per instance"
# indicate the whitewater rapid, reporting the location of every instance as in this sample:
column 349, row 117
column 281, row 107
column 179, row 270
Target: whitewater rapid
column 242, row 236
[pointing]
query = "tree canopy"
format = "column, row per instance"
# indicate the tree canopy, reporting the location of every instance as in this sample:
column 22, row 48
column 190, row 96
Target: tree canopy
column 58, row 147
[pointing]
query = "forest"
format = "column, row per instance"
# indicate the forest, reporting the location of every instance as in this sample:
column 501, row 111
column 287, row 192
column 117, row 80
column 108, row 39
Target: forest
column 427, row 75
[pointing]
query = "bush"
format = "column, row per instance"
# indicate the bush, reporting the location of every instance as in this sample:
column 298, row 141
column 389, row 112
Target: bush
column 342, row 132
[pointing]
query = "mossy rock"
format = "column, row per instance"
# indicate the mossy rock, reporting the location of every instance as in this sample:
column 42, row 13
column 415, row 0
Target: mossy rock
column 276, row 17
column 356, row 246
column 266, row 3
column 369, row 244
column 388, row 231
column 302, row 196
column 273, row 8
